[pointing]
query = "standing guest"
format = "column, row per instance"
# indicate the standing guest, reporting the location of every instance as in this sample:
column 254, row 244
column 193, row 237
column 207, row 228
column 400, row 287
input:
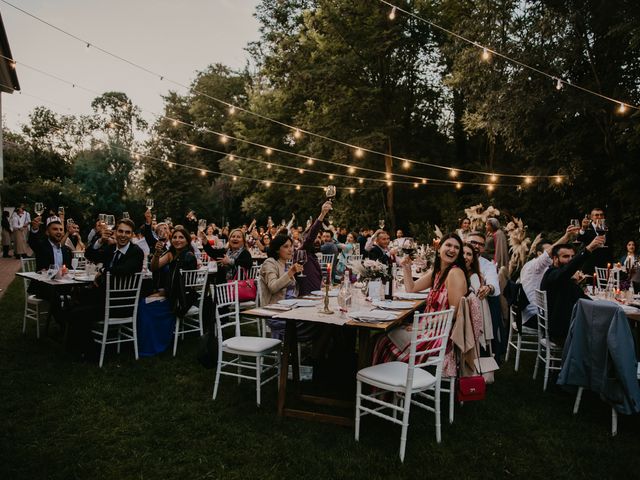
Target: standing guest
column 312, row 271
column 346, row 250
column 20, row 221
column 465, row 229
column 592, row 227
column 341, row 236
column 560, row 283
column 448, row 284
column 6, row 234
column 378, row 248
column 491, row 291
column 231, row 259
column 496, row 245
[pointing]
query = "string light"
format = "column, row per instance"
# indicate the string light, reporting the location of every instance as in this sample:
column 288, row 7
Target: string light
column 297, row 133
column 359, row 152
column 424, row 181
column 485, row 54
column 232, row 110
column 193, row 148
column 458, row 186
column 352, row 190
column 203, row 173
column 415, row 185
column 331, row 177
column 297, row 187
column 234, row 178
column 490, row 188
column 558, row 179
column 389, row 184
column 232, row 158
column 190, row 89
column 622, row 108
column 88, row 46
column 493, row 178
column 387, row 176
column 453, row 173
column 392, row 14
column 406, row 164
column 268, row 166
column 352, row 170
column 224, row 139
column 267, row 183
column 361, row 181
column 175, row 123
column 559, row 84
column 310, row 161
column 528, row 180
column 268, row 151
column 12, row 64
column 300, row 171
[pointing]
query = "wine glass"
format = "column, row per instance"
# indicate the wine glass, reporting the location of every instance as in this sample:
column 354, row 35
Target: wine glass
column 51, row 272
column 409, row 247
column 102, row 218
column 575, row 222
column 301, row 259
column 149, row 203
column 38, row 208
column 330, row 192
column 125, row 215
column 110, row 221
column 202, row 225
column 74, row 264
column 70, row 222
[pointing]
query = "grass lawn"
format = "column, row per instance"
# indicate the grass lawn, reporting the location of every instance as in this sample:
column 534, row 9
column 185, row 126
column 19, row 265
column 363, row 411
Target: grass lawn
column 154, row 418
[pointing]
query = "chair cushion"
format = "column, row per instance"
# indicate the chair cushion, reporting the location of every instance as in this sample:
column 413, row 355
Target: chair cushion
column 393, row 376
column 250, row 344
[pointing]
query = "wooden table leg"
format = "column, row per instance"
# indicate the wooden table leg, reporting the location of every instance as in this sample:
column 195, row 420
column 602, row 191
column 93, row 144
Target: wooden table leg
column 364, row 357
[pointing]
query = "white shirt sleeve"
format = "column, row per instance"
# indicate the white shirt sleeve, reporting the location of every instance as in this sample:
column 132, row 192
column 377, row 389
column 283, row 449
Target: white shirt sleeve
column 369, row 245
column 541, row 263
column 490, row 274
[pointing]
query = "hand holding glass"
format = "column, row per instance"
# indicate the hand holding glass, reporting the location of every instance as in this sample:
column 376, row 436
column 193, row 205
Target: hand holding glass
column 301, row 259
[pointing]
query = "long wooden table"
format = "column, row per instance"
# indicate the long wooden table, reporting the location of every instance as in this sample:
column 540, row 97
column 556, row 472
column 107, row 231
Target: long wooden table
column 290, row 352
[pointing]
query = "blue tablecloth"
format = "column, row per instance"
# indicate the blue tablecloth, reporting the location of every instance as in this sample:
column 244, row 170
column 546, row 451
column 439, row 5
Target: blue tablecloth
column 156, row 324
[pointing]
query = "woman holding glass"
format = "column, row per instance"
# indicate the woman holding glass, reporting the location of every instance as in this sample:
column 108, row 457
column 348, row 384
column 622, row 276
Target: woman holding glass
column 231, row 260
column 346, row 249
column 448, row 284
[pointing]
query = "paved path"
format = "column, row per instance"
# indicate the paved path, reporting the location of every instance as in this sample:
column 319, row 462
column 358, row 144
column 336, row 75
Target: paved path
column 8, row 268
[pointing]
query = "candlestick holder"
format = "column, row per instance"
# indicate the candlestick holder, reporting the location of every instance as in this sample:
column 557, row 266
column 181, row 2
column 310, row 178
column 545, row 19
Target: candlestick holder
column 326, row 310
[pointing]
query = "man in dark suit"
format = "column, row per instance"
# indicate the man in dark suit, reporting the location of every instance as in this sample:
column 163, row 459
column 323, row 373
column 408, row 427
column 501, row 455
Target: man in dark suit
column 49, row 250
column 561, row 286
column 116, row 252
column 119, row 257
column 380, row 249
column 591, row 228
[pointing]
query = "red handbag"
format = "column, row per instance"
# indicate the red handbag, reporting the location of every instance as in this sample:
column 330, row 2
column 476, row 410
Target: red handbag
column 247, row 290
column 471, row 388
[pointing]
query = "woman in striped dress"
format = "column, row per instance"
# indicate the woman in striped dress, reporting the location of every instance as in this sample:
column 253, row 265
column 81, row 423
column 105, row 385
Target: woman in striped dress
column 448, row 284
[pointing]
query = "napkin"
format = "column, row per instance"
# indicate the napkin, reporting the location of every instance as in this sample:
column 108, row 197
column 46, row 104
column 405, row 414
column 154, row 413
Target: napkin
column 372, row 316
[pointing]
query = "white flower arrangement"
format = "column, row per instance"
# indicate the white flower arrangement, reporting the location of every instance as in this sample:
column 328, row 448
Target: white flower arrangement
column 371, row 270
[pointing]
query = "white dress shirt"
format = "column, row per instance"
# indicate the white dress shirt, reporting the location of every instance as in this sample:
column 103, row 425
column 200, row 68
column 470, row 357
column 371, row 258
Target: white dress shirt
column 530, row 278
column 489, row 271
column 57, row 254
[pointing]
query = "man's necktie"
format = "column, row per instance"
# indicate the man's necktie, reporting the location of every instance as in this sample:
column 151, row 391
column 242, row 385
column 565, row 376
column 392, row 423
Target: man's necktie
column 116, row 257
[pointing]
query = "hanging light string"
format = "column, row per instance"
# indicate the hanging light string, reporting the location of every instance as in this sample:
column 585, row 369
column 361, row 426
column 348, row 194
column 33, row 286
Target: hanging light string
column 487, row 52
column 226, row 137
column 296, row 130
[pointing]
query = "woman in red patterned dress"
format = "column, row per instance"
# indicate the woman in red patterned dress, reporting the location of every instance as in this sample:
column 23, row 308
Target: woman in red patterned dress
column 448, row 283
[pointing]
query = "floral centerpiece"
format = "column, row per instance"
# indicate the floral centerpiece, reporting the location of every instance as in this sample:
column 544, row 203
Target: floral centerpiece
column 368, row 270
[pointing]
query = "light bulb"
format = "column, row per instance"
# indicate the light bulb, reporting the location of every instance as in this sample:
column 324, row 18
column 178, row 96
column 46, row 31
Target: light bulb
column 268, row 184
column 491, row 187
column 392, row 14
column 389, row 184
column 406, row 164
column 297, row 187
column 453, row 173
column 224, row 139
column 387, row 176
column 234, row 178
column 458, row 186
column 424, row 181
column 232, row 110
column 331, row 177
column 203, row 172
column 310, row 161
column 559, row 85
column 297, row 133
column 352, row 170
column 300, row 171
column 193, row 148
column 268, row 151
column 493, row 178
column 359, row 152
column 485, row 54
column 528, row 180
column 361, row 181
column 232, row 158
column 415, row 185
column 558, row 179
column 269, row 166
column 622, row 108
column 352, row 190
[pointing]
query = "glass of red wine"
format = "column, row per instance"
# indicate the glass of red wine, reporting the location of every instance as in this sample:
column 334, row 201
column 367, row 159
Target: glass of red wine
column 301, row 259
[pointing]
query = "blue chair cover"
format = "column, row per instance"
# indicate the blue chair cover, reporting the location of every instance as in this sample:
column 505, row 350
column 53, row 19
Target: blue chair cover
column 156, row 324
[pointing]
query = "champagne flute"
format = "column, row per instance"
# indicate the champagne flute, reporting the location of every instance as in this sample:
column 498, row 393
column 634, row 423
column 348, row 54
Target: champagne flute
column 110, row 221
column 102, row 218
column 38, row 208
column 149, row 203
column 125, row 215
column 60, row 211
column 301, row 259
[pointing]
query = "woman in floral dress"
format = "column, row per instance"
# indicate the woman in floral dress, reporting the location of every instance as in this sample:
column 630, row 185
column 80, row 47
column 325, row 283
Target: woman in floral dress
column 448, row 284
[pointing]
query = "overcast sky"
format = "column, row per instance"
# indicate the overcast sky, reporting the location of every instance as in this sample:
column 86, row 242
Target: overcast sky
column 173, row 38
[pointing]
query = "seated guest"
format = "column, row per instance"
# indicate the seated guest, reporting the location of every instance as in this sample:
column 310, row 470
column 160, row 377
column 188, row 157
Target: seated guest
column 346, row 250
column 312, row 271
column 95, row 232
column 465, row 229
column 72, row 238
column 378, row 248
column 277, row 282
column 179, row 257
column 50, row 250
column 533, row 271
column 231, row 259
column 563, row 291
column 115, row 252
column 448, row 284
column 472, row 265
column 629, row 260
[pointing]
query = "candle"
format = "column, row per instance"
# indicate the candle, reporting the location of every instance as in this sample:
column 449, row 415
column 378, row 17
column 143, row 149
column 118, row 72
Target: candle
column 328, row 272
